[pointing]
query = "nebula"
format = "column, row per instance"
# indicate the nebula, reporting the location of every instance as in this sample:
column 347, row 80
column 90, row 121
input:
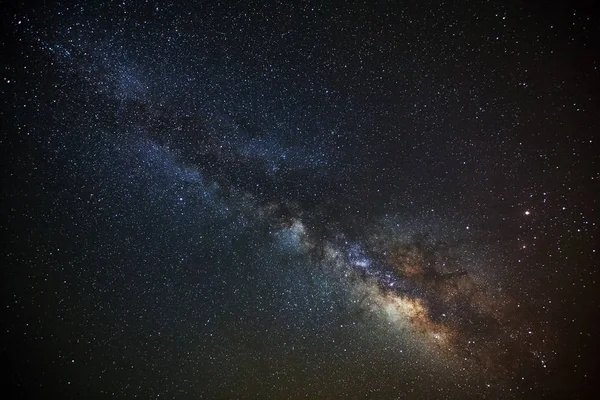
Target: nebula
column 418, row 285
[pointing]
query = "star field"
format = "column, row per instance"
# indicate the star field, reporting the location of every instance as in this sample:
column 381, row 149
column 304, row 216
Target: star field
column 387, row 200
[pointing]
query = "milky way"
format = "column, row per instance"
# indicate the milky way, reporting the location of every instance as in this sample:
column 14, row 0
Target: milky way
column 300, row 200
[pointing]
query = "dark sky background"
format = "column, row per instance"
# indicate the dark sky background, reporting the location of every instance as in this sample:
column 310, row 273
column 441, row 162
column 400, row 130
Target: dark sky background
column 292, row 199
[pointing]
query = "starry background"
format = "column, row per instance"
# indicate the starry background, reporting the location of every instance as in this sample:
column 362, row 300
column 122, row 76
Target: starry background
column 293, row 199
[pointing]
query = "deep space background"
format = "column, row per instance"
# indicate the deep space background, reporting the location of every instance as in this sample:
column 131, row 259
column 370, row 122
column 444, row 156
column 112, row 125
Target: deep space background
column 300, row 199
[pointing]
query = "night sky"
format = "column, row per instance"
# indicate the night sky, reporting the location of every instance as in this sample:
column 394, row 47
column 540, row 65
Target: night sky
column 291, row 199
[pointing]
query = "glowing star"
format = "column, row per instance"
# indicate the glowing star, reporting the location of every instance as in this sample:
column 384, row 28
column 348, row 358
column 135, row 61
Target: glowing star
column 527, row 212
